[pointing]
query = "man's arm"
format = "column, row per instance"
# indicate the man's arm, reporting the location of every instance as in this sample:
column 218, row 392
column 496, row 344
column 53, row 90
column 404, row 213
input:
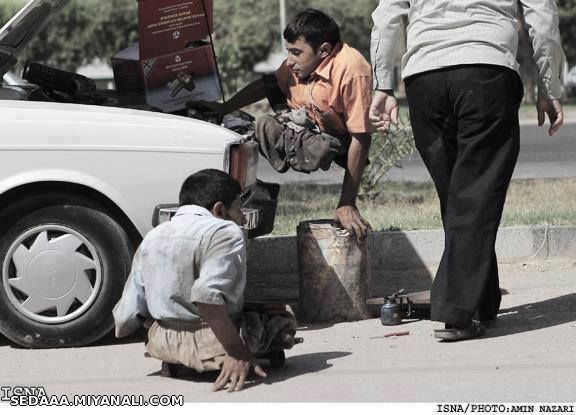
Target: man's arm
column 388, row 25
column 238, row 361
column 386, row 33
column 218, row 288
column 347, row 212
column 130, row 312
column 542, row 18
column 251, row 93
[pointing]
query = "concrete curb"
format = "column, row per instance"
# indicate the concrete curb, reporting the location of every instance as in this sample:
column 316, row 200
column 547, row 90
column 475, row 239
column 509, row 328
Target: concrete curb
column 406, row 259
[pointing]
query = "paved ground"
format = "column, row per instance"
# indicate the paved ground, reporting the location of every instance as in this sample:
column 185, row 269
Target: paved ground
column 528, row 356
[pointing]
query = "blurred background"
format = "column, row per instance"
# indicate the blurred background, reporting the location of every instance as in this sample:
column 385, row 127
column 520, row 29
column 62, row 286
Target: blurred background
column 247, row 36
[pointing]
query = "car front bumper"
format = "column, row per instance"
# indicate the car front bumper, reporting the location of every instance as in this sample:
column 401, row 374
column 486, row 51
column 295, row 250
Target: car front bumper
column 164, row 213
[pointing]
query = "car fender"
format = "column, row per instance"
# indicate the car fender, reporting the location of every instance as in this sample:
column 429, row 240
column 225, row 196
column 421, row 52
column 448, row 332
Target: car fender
column 75, row 177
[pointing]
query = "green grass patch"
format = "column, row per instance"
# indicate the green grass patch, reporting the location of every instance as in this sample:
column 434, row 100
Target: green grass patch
column 410, row 206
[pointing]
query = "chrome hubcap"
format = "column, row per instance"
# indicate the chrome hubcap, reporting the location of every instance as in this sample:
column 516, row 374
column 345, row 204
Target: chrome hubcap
column 52, row 274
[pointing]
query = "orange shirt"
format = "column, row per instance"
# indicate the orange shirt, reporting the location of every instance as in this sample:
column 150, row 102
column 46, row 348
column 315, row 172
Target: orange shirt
column 337, row 95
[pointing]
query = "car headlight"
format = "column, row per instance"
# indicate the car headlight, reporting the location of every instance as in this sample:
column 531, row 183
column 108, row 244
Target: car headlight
column 241, row 162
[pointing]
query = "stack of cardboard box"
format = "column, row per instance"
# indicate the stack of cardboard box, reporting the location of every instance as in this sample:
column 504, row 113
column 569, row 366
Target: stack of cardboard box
column 172, row 63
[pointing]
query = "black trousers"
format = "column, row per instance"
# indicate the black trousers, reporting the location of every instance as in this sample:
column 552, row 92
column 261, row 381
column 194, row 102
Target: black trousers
column 465, row 124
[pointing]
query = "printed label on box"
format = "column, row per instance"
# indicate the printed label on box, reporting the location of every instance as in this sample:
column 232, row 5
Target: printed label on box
column 167, row 26
column 175, row 79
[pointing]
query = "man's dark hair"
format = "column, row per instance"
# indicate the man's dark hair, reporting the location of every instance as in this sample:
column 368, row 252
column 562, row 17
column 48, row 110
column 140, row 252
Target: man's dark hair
column 206, row 187
column 315, row 27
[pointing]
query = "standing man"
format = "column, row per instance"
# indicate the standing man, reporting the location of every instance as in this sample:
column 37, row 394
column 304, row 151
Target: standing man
column 322, row 95
column 464, row 92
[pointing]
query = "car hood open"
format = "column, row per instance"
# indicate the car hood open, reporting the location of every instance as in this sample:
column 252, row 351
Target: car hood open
column 17, row 33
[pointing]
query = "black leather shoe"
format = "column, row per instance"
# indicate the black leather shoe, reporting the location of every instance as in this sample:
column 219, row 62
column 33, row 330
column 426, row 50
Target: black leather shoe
column 453, row 334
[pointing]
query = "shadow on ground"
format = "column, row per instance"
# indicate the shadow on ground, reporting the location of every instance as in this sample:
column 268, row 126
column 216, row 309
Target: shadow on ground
column 535, row 316
column 312, row 327
column 295, row 366
column 4, row 341
column 304, row 364
column 108, row 340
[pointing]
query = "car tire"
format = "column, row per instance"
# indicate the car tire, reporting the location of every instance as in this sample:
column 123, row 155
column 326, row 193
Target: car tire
column 63, row 269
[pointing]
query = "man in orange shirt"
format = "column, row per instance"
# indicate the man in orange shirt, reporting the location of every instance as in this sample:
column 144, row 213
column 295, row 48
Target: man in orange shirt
column 321, row 95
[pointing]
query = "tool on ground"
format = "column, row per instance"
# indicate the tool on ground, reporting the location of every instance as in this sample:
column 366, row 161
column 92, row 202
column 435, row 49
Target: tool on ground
column 399, row 306
column 391, row 312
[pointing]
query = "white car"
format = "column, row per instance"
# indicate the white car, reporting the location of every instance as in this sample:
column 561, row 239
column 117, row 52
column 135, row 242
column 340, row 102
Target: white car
column 79, row 187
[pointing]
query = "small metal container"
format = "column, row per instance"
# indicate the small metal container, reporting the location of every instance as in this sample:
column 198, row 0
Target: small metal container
column 391, row 312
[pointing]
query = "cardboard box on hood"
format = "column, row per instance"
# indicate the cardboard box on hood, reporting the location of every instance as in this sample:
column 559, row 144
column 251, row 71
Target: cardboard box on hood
column 168, row 81
column 167, row 26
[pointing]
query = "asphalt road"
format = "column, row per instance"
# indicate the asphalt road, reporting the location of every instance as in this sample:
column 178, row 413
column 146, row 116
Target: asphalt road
column 540, row 157
column 528, row 356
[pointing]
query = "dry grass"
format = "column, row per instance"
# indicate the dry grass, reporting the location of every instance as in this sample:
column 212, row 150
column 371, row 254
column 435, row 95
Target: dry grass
column 409, row 206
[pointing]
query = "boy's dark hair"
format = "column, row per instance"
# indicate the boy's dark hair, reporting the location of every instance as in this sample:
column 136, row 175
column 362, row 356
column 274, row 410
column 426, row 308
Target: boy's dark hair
column 206, row 187
column 315, row 27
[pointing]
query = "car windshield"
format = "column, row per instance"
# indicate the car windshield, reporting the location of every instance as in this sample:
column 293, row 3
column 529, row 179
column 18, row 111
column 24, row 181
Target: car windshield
column 16, row 34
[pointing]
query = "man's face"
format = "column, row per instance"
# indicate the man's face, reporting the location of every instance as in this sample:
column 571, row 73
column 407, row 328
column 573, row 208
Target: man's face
column 302, row 59
column 234, row 213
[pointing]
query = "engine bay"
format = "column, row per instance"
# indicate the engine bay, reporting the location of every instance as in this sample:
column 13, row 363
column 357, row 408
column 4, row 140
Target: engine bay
column 47, row 84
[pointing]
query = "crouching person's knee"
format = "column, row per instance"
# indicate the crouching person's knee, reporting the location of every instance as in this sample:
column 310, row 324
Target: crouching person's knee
column 270, row 135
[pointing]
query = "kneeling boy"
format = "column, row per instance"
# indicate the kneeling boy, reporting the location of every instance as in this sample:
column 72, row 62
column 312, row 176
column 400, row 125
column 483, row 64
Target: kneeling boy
column 188, row 278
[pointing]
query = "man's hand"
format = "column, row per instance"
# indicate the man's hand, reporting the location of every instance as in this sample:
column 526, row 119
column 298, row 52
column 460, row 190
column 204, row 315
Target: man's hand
column 217, row 107
column 346, row 212
column 351, row 220
column 236, row 371
column 238, row 359
column 553, row 108
column 251, row 93
column 383, row 111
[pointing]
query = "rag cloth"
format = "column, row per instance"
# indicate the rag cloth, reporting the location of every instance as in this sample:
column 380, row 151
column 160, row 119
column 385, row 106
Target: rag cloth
column 194, row 344
column 290, row 140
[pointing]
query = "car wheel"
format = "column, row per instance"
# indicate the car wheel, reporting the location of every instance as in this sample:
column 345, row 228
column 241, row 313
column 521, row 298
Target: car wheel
column 63, row 270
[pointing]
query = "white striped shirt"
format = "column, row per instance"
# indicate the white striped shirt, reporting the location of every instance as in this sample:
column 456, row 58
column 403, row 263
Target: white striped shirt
column 444, row 33
column 194, row 258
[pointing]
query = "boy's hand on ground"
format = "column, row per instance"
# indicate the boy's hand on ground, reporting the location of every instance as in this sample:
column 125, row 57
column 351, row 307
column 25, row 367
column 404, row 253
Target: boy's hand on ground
column 236, row 371
column 351, row 220
column 238, row 360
